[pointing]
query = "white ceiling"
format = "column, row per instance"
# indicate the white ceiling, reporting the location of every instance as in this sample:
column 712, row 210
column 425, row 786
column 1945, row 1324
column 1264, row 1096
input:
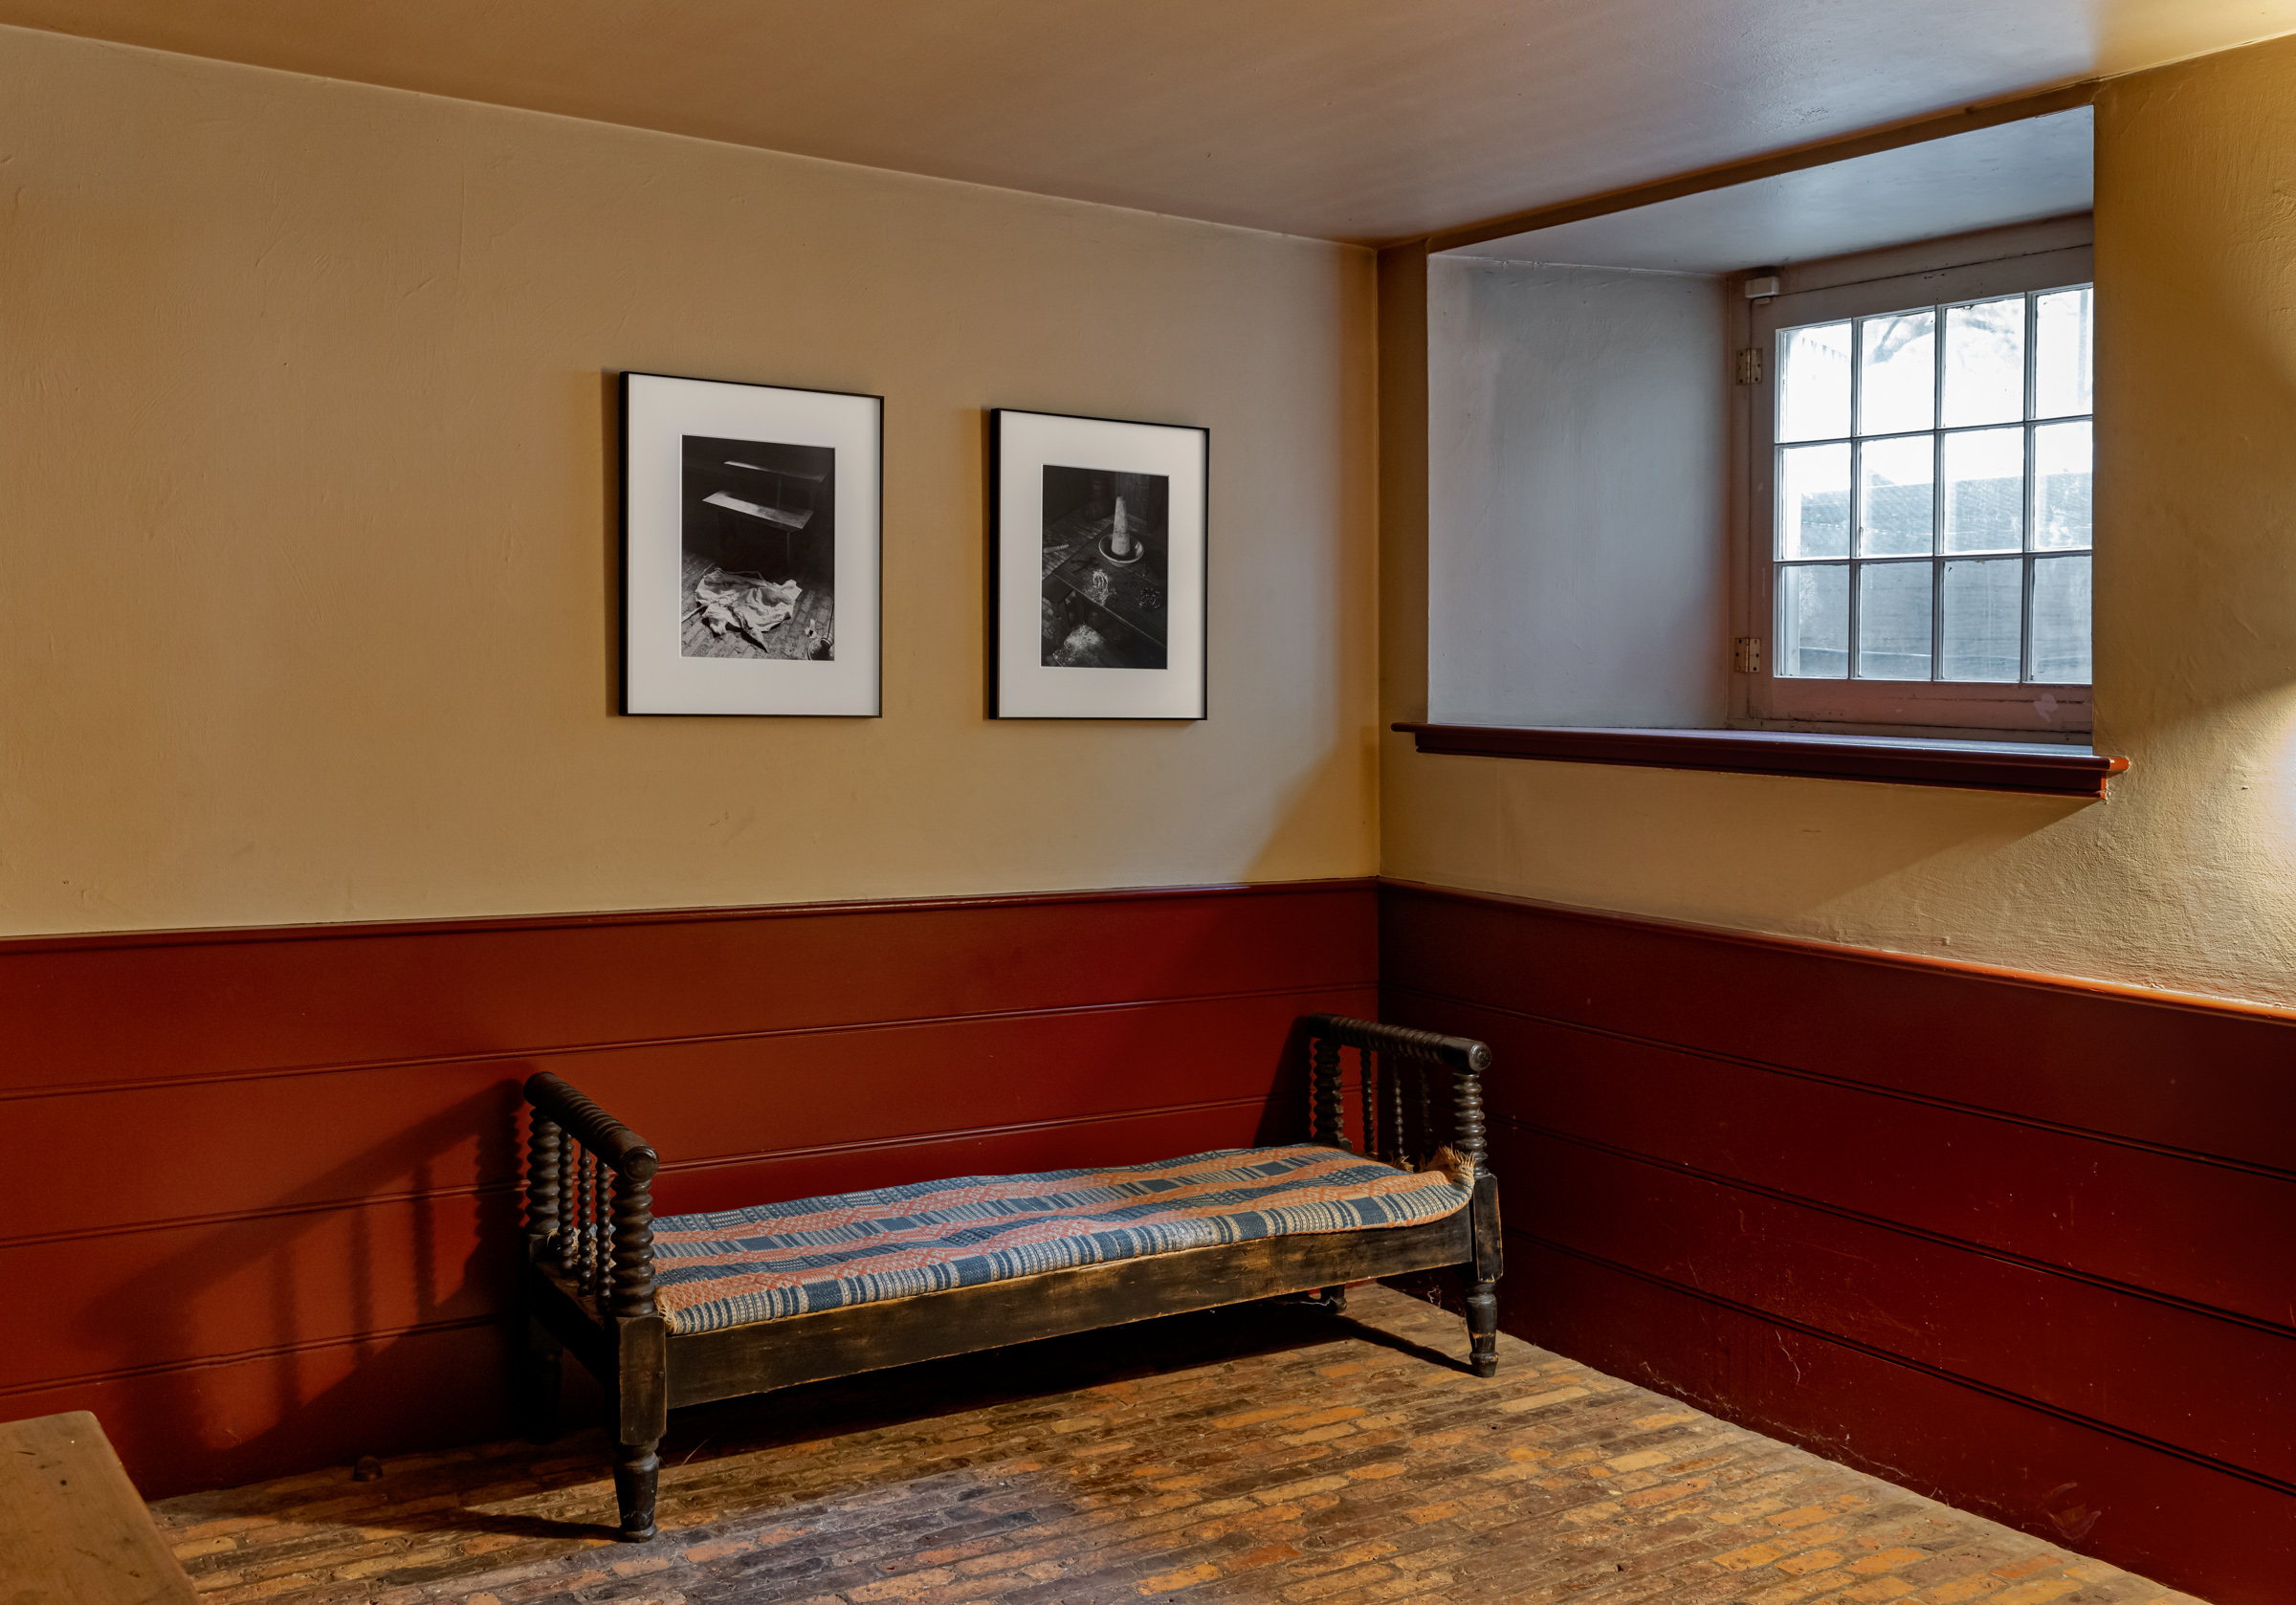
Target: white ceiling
column 2017, row 173
column 1342, row 118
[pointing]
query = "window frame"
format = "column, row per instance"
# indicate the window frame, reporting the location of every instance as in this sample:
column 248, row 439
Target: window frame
column 1935, row 274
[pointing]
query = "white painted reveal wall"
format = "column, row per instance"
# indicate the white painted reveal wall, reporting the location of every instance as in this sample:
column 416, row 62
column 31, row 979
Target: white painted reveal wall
column 1578, row 425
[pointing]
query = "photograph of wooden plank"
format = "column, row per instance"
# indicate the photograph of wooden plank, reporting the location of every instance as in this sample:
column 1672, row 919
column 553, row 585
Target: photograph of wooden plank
column 758, row 571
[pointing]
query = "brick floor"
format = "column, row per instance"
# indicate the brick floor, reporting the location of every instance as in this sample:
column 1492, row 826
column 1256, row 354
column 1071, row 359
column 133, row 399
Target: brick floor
column 1268, row 1453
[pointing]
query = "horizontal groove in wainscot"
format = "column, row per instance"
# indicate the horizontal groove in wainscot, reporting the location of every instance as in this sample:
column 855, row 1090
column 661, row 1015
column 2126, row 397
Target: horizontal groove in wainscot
column 2180, row 1519
column 363, row 1080
column 2039, row 770
column 2016, row 1240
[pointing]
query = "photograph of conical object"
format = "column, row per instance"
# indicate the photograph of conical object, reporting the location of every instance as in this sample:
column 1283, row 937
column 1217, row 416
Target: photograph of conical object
column 1119, row 540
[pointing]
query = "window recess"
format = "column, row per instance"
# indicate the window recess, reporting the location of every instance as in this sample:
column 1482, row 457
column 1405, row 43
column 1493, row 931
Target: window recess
column 1604, row 449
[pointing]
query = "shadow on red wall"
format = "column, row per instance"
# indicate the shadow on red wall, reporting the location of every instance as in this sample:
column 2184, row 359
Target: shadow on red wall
column 291, row 1230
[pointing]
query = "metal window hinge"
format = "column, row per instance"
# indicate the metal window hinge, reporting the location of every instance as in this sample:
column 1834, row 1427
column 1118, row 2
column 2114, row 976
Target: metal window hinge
column 1747, row 659
column 1749, row 365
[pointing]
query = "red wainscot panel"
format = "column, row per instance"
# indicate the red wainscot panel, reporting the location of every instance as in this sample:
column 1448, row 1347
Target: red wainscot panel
column 711, row 1099
column 293, row 1241
column 249, row 1417
column 2143, row 1217
column 2165, row 1071
column 2018, row 1242
column 2066, row 1343
column 2227, row 1539
column 228, row 1002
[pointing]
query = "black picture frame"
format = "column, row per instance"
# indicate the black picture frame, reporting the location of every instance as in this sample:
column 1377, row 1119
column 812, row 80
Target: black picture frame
column 752, row 548
column 1100, row 591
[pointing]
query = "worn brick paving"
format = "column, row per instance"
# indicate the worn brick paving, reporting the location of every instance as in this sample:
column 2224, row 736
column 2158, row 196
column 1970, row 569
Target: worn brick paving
column 1270, row 1453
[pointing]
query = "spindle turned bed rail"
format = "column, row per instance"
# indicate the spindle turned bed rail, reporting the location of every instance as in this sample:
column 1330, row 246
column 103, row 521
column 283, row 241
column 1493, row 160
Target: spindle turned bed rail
column 588, row 1281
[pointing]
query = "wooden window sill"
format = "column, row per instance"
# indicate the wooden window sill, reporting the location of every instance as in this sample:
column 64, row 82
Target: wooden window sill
column 2042, row 771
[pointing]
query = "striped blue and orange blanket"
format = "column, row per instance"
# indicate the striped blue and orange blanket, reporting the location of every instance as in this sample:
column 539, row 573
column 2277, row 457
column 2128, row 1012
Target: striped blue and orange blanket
column 744, row 1266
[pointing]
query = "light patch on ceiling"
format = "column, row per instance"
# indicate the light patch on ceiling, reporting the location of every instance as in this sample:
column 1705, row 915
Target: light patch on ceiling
column 2019, row 172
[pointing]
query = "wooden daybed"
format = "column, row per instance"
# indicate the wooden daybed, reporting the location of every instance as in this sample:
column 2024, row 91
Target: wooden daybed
column 593, row 1281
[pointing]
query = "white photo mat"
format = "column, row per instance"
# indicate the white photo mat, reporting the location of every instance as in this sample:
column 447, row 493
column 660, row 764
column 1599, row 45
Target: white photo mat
column 660, row 414
column 1028, row 686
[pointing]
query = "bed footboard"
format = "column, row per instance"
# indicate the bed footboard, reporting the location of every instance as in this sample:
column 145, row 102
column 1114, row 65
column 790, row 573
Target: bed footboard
column 589, row 1281
column 1403, row 1120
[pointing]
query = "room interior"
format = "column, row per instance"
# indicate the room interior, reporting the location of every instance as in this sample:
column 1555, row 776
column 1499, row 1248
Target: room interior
column 1929, row 1117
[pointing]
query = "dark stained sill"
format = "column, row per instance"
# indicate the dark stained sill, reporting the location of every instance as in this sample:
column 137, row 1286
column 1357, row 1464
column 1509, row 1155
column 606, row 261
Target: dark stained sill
column 2042, row 771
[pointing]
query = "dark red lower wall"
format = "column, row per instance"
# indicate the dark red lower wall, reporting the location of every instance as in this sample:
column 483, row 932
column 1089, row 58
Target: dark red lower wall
column 262, row 1184
column 2025, row 1245
column 2028, row 1245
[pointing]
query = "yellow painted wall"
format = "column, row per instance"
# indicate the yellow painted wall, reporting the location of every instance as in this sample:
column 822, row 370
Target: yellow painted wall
column 306, row 533
column 2186, row 877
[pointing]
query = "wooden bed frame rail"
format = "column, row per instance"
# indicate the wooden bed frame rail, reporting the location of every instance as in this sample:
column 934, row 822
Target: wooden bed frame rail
column 588, row 1280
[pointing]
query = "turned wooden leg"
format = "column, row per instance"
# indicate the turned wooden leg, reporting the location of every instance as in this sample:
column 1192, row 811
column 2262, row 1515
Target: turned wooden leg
column 1481, row 1273
column 539, row 1371
column 641, row 1337
column 637, row 1477
column 1483, row 1327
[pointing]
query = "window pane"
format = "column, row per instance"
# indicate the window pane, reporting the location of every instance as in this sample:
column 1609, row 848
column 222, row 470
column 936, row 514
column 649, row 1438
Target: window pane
column 1813, row 383
column 1893, row 621
column 2064, row 353
column 1813, row 501
column 1813, row 623
column 1985, row 362
column 1985, row 490
column 1897, row 389
column 2060, row 485
column 1895, row 496
column 1980, row 637
column 2061, row 619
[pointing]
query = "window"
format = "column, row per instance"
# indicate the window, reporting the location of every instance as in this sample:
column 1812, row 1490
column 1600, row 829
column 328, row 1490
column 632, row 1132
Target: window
column 1920, row 526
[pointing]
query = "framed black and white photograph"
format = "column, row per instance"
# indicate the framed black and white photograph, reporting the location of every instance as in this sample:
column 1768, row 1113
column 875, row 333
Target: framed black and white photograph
column 751, row 547
column 1100, row 592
